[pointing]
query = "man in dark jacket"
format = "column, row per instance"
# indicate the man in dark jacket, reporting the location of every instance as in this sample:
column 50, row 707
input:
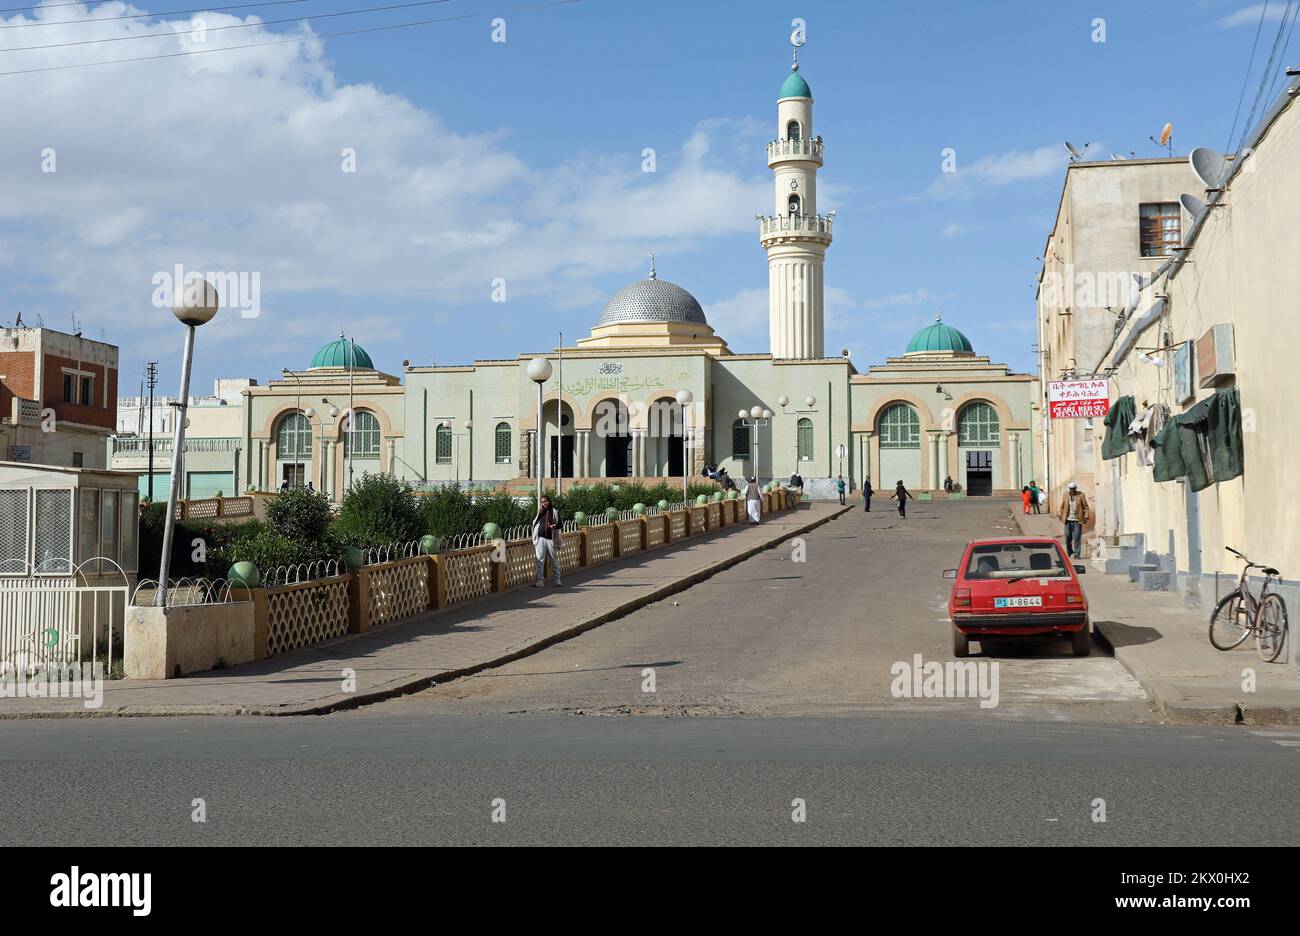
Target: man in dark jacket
column 866, row 493
column 546, row 541
column 901, row 494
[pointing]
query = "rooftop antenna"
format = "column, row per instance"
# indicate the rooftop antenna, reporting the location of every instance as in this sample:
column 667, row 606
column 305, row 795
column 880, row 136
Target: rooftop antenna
column 76, row 326
column 1166, row 138
column 1075, row 153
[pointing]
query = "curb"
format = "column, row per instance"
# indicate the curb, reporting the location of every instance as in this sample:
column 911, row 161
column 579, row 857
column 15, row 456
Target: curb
column 426, row 682
column 1166, row 698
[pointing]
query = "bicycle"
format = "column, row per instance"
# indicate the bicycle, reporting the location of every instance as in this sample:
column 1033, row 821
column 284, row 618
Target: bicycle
column 1239, row 614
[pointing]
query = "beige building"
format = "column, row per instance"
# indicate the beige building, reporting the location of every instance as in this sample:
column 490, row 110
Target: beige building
column 1115, row 219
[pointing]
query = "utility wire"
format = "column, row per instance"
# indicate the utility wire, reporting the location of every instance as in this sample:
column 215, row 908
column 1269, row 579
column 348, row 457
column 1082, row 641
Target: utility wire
column 1245, row 79
column 1280, row 77
column 127, row 16
column 271, row 42
column 1266, row 77
column 168, row 35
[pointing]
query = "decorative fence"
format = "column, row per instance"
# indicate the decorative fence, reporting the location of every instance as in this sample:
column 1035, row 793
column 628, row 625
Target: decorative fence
column 300, row 613
column 214, row 508
column 293, row 616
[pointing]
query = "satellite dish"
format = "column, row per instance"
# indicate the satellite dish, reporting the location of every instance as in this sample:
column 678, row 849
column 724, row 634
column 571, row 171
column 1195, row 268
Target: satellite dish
column 1192, row 205
column 1118, row 156
column 1208, row 166
column 1166, row 133
column 1074, row 151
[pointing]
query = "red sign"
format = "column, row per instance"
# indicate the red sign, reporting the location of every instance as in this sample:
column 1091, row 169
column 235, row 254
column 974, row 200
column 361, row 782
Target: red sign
column 1078, row 399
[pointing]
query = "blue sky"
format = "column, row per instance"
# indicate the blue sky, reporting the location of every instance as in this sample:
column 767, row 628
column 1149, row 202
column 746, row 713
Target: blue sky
column 522, row 160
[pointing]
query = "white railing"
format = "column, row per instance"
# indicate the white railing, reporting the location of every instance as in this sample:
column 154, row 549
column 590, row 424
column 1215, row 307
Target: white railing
column 793, row 149
column 797, row 224
column 136, row 445
column 47, row 622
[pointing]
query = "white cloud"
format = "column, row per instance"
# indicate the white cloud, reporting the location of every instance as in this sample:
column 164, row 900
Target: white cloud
column 910, row 298
column 232, row 161
column 953, row 229
column 739, row 317
column 1001, row 169
column 1250, row 15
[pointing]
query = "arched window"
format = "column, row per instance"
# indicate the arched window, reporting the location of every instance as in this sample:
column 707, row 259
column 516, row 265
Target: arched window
column 792, row 131
column 804, row 438
column 978, row 425
column 442, row 444
column 739, row 439
column 293, row 438
column 503, row 443
column 795, row 204
column 364, row 434
column 900, row 427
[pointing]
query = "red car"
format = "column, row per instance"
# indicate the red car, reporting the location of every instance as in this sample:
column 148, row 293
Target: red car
column 1016, row 587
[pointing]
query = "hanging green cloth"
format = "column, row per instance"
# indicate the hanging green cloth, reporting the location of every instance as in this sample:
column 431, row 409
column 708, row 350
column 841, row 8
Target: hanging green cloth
column 1116, row 441
column 1203, row 443
column 1168, row 456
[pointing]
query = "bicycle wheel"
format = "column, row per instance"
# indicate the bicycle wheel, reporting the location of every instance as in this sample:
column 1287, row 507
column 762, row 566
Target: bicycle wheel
column 1230, row 623
column 1271, row 628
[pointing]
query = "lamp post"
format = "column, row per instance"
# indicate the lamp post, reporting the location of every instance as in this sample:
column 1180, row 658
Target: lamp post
column 810, row 403
column 195, row 303
column 684, row 399
column 539, row 371
column 753, row 419
column 469, row 425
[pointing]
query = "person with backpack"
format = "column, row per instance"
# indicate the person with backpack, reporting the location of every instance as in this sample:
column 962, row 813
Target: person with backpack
column 901, row 494
column 546, row 541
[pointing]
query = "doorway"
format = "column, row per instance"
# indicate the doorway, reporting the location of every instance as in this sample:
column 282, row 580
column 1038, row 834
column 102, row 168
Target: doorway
column 562, row 455
column 293, row 472
column 979, row 474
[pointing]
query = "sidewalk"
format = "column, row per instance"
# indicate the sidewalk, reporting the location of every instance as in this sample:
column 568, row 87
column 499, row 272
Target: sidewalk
column 436, row 647
column 1163, row 642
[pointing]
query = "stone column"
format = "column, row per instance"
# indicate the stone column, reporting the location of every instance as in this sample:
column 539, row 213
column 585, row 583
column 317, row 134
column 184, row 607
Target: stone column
column 1014, row 468
column 943, row 457
column 581, row 458
column 392, row 456
column 638, row 452
column 259, row 480
column 934, row 440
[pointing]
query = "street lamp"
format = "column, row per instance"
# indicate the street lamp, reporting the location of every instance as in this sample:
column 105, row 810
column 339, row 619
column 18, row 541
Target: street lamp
column 469, row 425
column 539, row 371
column 753, row 419
column 810, row 404
column 195, row 303
column 684, row 399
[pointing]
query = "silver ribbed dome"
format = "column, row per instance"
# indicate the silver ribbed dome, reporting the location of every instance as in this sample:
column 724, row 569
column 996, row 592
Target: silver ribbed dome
column 652, row 300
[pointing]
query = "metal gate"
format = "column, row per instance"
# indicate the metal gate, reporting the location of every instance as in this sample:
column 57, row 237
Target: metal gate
column 51, row 620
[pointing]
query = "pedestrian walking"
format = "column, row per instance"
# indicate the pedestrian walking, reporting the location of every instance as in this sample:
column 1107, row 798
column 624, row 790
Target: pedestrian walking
column 1025, row 497
column 753, row 501
column 546, row 541
column 839, row 486
column 1074, row 513
column 901, row 494
column 866, row 494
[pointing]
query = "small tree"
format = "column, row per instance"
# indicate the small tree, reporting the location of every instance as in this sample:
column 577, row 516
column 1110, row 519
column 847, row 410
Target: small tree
column 300, row 514
column 379, row 509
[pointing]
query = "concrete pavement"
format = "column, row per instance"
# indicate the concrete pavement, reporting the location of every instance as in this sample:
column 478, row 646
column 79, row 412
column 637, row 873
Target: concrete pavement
column 1164, row 642
column 438, row 646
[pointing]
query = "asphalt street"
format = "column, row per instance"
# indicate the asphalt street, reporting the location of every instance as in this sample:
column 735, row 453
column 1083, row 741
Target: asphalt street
column 779, row 636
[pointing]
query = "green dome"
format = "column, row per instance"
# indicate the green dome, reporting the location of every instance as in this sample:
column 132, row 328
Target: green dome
column 937, row 338
column 337, row 353
column 795, row 86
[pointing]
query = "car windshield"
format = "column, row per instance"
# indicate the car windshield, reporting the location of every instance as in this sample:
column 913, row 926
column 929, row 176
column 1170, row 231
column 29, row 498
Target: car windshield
column 1016, row 560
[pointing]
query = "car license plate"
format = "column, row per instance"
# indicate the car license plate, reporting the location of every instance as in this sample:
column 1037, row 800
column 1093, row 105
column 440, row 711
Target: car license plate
column 1020, row 601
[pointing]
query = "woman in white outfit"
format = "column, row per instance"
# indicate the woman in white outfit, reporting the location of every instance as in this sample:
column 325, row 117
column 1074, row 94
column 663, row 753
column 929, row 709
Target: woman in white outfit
column 753, row 501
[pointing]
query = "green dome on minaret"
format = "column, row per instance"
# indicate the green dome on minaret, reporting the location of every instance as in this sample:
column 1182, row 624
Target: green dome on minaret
column 339, row 353
column 939, row 338
column 795, row 86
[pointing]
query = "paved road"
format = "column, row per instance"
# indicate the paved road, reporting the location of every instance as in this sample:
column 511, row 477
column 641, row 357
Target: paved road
column 564, row 780
column 775, row 636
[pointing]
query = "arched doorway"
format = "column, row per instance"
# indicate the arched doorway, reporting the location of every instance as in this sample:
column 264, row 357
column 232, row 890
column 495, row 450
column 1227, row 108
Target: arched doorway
column 665, row 434
column 899, row 429
column 559, row 438
column 978, row 436
column 293, row 445
column 611, row 427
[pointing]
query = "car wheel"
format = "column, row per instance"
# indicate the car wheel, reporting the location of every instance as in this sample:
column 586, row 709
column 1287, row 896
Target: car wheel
column 960, row 643
column 1081, row 641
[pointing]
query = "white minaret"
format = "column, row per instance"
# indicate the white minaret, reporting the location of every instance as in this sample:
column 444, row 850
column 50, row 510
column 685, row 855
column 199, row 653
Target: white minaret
column 795, row 237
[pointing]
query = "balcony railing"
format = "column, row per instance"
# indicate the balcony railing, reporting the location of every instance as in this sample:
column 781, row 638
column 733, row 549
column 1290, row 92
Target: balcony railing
column 163, row 445
column 795, row 224
column 794, row 149
column 26, row 412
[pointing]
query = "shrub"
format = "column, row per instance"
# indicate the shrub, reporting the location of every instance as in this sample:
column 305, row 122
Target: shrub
column 378, row 510
column 300, row 514
column 447, row 510
column 503, row 510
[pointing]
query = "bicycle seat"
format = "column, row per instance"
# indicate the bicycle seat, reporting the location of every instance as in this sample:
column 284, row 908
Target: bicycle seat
column 1269, row 570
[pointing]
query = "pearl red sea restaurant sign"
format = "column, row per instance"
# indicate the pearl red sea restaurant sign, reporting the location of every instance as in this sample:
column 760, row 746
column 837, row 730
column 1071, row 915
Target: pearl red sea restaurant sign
column 1078, row 399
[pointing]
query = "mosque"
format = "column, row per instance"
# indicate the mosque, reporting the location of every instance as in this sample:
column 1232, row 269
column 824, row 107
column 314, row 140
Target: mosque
column 613, row 404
